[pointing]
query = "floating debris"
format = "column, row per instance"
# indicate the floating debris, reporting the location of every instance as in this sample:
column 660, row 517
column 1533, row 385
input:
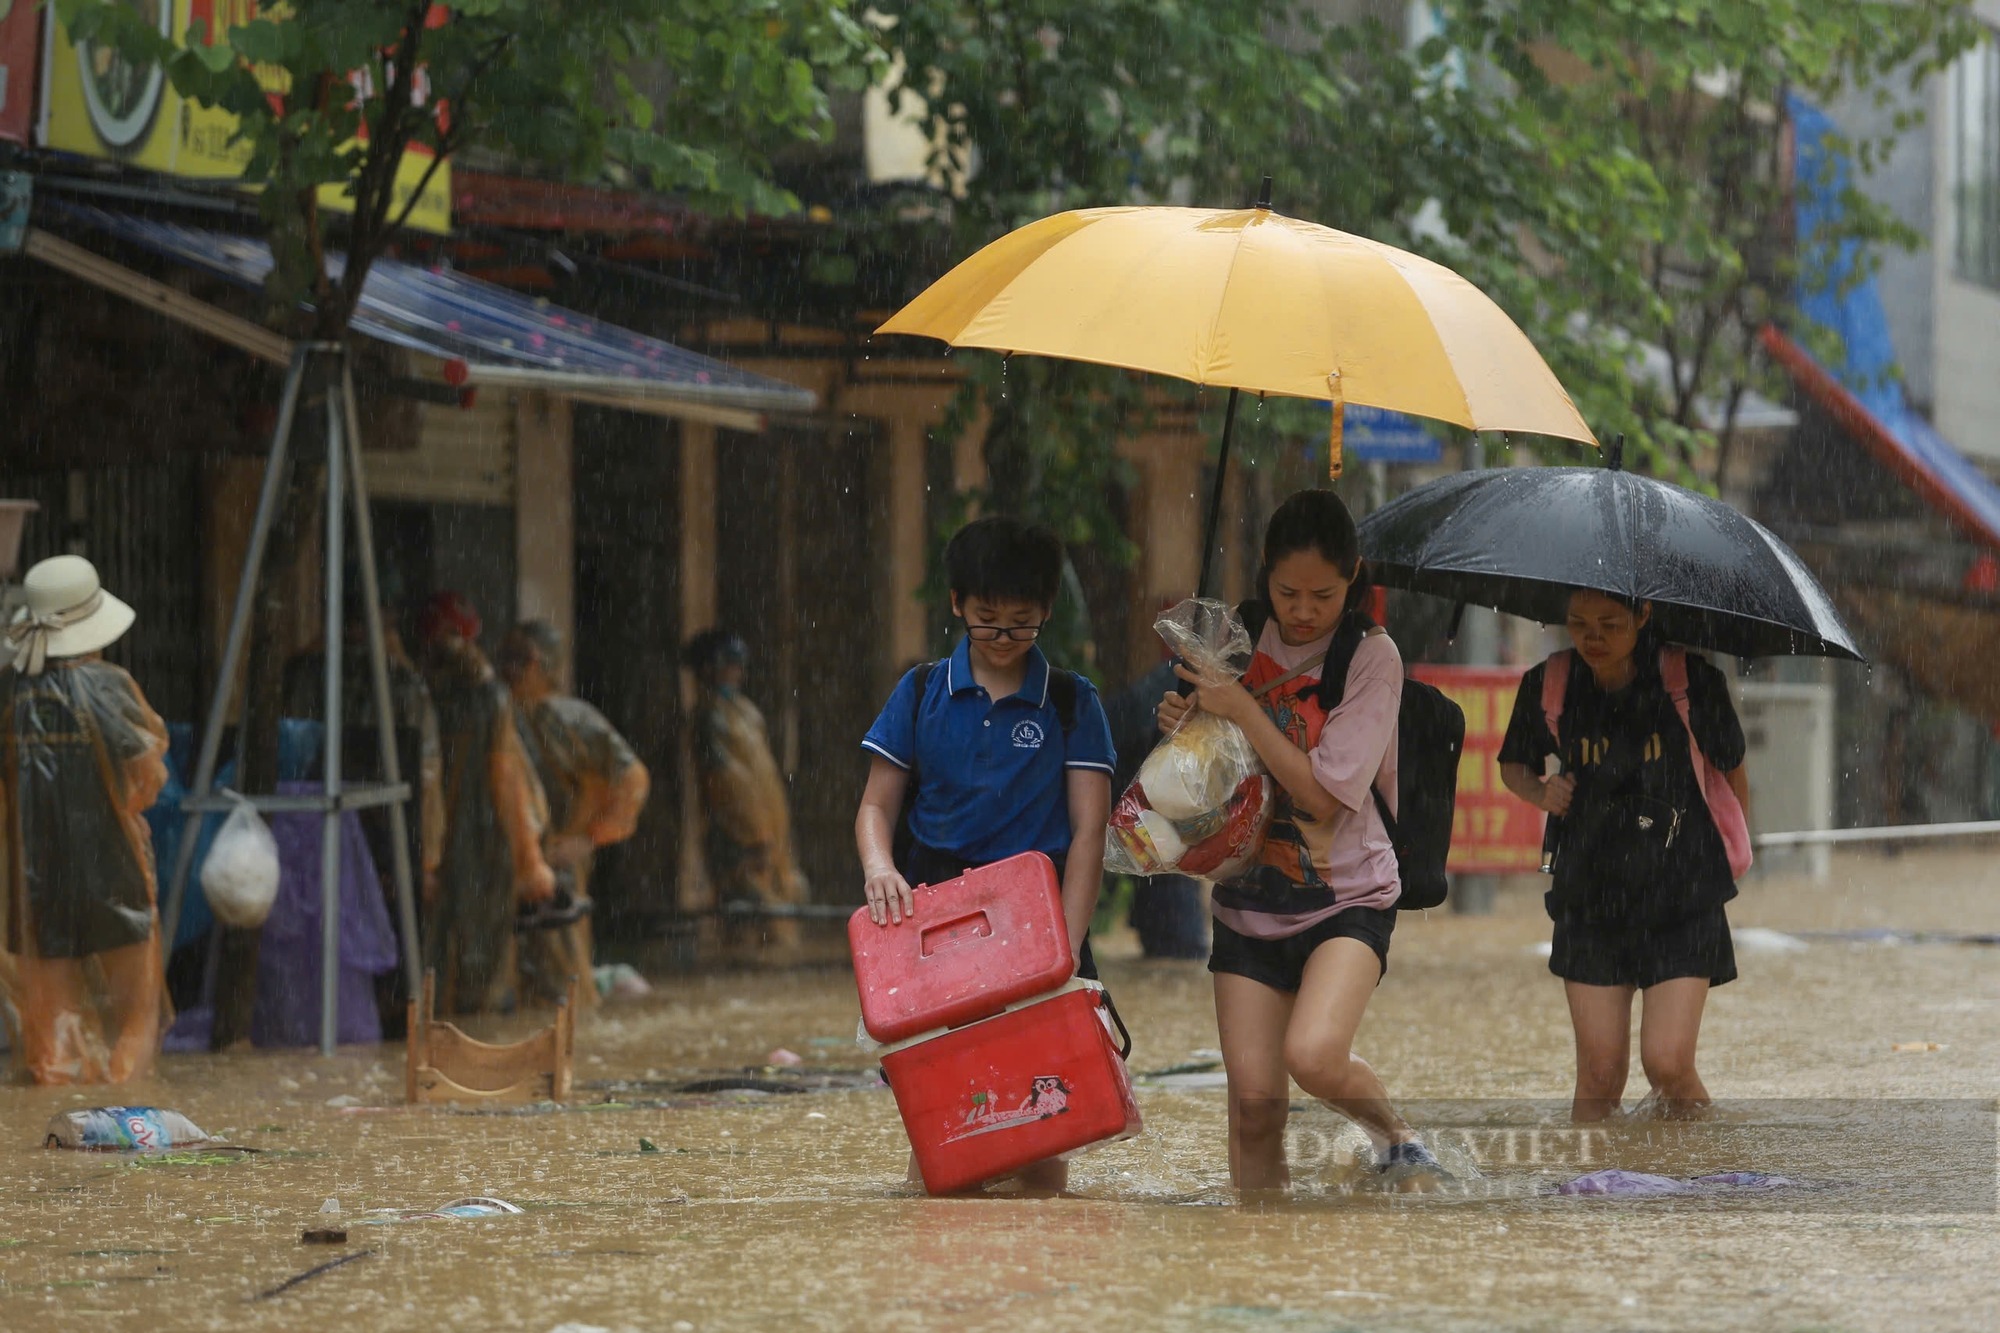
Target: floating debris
column 479, row 1206
column 122, row 1129
column 1644, row 1185
column 311, row 1273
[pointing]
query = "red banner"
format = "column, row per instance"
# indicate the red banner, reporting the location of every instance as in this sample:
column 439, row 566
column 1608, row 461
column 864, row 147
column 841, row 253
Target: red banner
column 20, row 58
column 1493, row 831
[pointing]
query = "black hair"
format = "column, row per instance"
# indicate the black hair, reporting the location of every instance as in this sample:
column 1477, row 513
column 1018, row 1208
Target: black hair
column 1316, row 521
column 1650, row 641
column 1003, row 557
column 711, row 648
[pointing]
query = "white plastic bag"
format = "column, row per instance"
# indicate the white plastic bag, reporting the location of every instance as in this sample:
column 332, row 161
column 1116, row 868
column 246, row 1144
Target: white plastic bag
column 240, row 875
column 1202, row 801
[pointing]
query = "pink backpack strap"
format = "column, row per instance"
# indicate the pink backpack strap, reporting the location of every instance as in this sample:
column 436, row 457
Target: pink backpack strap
column 1723, row 807
column 1555, row 688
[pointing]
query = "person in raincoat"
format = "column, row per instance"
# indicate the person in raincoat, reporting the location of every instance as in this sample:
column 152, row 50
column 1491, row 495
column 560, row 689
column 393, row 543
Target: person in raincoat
column 596, row 788
column 747, row 821
column 495, row 814
column 84, row 757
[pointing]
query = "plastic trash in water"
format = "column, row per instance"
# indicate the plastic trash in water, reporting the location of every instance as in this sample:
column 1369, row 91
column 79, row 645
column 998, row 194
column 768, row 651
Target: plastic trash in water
column 477, row 1206
column 1762, row 940
column 122, row 1129
column 783, row 1058
column 620, row 981
column 1644, row 1185
column 480, row 1206
column 1751, row 1180
column 1628, row 1184
column 1906, row 1047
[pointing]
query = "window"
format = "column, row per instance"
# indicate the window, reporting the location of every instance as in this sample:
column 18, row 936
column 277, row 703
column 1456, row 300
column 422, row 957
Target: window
column 1977, row 166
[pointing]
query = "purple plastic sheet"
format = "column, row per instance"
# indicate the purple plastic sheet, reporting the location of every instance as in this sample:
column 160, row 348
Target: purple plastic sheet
column 288, row 959
column 1642, row 1185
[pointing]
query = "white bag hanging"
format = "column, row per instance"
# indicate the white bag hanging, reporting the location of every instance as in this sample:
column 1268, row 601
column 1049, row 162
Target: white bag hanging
column 240, row 875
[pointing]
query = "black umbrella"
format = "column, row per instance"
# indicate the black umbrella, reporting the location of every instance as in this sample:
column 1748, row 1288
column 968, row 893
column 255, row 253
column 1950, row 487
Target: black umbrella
column 1519, row 539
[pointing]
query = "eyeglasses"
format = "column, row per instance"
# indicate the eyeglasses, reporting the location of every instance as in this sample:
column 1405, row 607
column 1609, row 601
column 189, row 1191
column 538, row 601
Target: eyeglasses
column 988, row 633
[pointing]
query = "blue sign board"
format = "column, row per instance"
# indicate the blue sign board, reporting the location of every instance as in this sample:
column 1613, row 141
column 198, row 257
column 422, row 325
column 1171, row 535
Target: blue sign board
column 1377, row 435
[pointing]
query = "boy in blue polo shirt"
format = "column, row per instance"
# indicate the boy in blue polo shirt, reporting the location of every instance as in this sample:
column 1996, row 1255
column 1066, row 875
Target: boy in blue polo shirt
column 1007, row 754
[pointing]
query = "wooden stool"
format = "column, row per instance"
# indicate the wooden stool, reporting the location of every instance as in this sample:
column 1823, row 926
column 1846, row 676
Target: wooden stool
column 445, row 1065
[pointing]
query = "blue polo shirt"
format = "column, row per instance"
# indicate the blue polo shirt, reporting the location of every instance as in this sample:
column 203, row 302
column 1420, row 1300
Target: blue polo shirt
column 991, row 774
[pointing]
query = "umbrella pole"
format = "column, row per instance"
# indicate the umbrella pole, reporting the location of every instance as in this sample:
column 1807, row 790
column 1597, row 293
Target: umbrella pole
column 1215, row 498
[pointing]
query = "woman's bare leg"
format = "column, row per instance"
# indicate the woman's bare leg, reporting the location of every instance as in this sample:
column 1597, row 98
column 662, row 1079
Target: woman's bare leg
column 1340, row 977
column 1251, row 1018
column 1602, row 1017
column 1669, row 1027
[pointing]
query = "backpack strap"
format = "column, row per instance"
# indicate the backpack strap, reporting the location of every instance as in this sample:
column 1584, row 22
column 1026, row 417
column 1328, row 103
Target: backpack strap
column 1347, row 637
column 922, row 671
column 1355, row 626
column 1062, row 693
column 1555, row 690
column 1674, row 676
column 1724, row 809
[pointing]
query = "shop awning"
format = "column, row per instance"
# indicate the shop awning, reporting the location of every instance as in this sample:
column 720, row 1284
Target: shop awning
column 1864, row 394
column 1902, row 441
column 480, row 333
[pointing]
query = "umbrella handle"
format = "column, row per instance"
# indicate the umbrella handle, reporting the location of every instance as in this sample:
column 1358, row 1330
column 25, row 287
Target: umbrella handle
column 1551, row 835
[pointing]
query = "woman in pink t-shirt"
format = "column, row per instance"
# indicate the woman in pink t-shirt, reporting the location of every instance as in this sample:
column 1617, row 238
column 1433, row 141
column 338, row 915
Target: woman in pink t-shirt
column 1302, row 941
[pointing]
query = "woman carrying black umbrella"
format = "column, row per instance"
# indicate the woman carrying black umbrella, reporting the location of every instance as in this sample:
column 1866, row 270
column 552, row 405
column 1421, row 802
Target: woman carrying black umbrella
column 1649, row 839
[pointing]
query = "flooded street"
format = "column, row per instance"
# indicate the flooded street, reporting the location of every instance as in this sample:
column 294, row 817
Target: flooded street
column 759, row 1209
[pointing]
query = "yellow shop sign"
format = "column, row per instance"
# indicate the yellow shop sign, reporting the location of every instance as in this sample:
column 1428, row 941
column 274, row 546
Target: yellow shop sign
column 96, row 103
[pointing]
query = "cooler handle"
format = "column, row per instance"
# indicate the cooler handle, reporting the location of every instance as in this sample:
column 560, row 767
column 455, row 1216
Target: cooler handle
column 1124, row 1033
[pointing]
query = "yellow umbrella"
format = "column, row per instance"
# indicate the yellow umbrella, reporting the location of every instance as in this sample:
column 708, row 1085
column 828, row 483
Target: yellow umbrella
column 1250, row 299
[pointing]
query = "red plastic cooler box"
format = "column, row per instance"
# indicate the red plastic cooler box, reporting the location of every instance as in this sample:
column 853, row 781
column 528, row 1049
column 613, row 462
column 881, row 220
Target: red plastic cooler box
column 1038, row 1081
column 974, row 945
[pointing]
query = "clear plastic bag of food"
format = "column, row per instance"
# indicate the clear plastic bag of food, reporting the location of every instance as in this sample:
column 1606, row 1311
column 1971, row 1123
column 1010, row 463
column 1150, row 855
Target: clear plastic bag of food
column 1202, row 800
column 240, row 877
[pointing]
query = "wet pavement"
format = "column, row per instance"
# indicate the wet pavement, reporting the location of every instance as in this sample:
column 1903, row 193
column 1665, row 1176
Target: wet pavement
column 667, row 1199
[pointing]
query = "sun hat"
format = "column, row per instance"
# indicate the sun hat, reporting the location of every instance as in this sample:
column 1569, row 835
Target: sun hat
column 65, row 613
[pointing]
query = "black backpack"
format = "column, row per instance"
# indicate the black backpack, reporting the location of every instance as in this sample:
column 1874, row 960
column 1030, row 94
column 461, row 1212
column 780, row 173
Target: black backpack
column 1430, row 737
column 1062, row 692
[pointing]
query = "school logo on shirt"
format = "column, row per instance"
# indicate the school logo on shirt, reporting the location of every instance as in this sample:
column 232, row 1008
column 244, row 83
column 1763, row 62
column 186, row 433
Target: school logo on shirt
column 1027, row 735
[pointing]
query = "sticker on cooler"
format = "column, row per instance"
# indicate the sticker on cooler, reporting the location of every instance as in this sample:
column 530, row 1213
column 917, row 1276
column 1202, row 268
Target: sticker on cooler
column 1049, row 1096
column 1042, row 1080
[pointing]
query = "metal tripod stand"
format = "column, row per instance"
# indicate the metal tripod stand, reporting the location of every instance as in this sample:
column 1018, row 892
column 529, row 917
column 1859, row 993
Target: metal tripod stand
column 326, row 365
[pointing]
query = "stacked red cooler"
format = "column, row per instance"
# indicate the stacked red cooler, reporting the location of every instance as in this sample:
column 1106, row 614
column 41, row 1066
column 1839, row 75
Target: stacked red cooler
column 998, row 1060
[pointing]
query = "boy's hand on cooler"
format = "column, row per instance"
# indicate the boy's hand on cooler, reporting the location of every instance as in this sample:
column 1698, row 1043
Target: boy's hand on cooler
column 1225, row 698
column 1173, row 710
column 889, row 898
column 1557, row 793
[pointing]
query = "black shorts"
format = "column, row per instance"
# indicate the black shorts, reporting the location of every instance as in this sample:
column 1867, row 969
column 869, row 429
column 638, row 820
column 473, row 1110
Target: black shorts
column 1617, row 954
column 1281, row 964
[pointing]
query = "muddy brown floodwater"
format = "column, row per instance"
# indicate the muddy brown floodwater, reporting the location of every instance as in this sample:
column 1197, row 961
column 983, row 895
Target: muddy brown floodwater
column 787, row 1209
